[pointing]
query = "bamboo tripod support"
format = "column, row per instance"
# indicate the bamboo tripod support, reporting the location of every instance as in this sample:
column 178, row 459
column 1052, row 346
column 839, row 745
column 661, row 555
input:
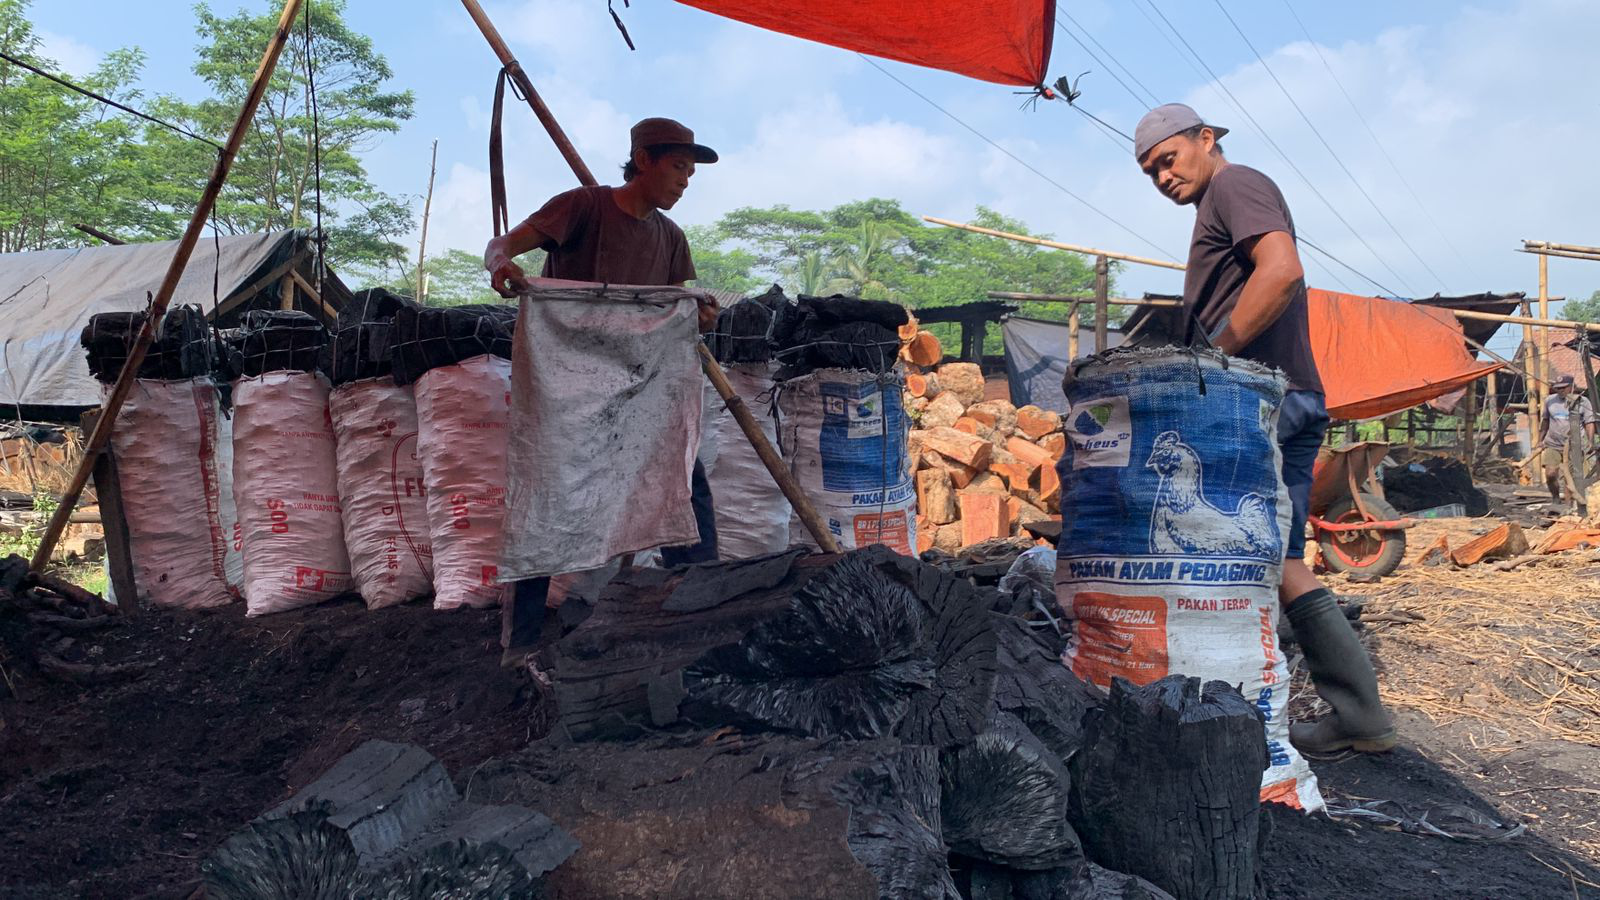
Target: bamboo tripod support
column 741, row 414
column 169, row 283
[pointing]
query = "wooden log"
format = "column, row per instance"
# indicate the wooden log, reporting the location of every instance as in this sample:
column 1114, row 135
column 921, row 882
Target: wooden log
column 1054, row 444
column 1019, row 476
column 999, row 414
column 983, row 516
column 936, row 497
column 988, row 482
column 1500, row 543
column 975, row 428
column 925, row 532
column 943, row 411
column 964, row 380
column 1050, row 488
column 1028, row 451
column 959, row 446
column 1173, row 765
column 960, row 476
column 922, row 385
column 1035, row 423
column 114, row 522
column 923, row 350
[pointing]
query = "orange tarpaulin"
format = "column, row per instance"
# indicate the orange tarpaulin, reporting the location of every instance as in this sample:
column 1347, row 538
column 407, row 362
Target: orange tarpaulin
column 1381, row 356
column 1004, row 41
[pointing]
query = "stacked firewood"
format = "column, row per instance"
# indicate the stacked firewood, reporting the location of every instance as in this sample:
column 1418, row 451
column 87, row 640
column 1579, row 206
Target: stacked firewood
column 984, row 468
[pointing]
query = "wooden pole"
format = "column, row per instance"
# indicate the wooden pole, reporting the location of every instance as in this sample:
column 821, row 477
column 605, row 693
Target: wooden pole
column 1073, row 324
column 169, row 284
column 1534, row 393
column 1569, row 254
column 1056, row 245
column 1568, row 248
column 422, row 245
column 769, row 457
column 1068, row 298
column 1102, row 293
column 535, row 102
column 1525, row 320
column 114, row 523
column 286, row 293
column 708, row 363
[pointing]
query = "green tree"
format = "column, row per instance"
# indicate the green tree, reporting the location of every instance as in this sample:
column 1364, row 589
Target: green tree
column 63, row 157
column 1586, row 310
column 274, row 181
column 456, row 277
column 719, row 269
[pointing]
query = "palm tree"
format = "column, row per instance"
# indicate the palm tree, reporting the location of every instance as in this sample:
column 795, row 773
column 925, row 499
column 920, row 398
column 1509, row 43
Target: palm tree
column 858, row 266
column 812, row 273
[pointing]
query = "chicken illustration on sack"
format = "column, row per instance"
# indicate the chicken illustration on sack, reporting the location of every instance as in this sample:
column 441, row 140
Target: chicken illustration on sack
column 1183, row 521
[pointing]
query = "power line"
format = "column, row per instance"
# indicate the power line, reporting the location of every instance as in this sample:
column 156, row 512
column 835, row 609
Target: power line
column 1111, row 56
column 1109, row 71
column 1341, row 262
column 1017, row 159
column 1381, row 148
column 1326, row 146
column 106, row 100
column 1217, row 80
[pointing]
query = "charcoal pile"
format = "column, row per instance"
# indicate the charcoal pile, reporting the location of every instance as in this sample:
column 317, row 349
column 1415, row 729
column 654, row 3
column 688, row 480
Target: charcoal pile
column 744, row 330
column 277, row 341
column 427, row 337
column 183, row 348
column 837, row 332
column 1431, row 481
column 387, row 822
column 360, row 345
column 950, row 734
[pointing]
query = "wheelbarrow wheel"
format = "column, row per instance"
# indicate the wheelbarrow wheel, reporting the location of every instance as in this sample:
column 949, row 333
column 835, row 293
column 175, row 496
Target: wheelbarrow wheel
column 1370, row 552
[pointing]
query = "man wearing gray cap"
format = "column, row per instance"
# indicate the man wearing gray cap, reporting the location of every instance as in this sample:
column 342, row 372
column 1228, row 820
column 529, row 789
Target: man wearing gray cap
column 1244, row 292
column 613, row 235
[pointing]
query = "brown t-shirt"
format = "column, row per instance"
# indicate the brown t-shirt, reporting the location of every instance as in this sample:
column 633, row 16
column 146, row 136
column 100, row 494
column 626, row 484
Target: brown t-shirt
column 1240, row 204
column 591, row 238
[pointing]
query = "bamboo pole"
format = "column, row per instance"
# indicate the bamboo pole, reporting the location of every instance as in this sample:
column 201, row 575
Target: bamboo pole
column 535, row 102
column 1073, row 324
column 1568, row 248
column 1102, row 310
column 1568, row 254
column 1068, row 298
column 1544, row 335
column 94, row 232
column 1532, row 393
column 1056, row 245
column 169, row 283
column 1525, row 320
column 708, row 363
column 427, row 207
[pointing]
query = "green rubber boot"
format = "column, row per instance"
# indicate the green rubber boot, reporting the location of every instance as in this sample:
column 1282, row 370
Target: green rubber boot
column 1343, row 676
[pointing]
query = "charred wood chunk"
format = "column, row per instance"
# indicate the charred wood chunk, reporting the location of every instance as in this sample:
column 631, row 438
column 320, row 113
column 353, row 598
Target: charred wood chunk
column 1004, row 800
column 1032, row 684
column 842, row 660
column 386, row 821
column 1168, row 785
column 895, row 828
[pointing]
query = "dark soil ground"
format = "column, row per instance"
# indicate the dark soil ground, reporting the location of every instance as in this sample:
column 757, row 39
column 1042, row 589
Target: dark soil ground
column 120, row 790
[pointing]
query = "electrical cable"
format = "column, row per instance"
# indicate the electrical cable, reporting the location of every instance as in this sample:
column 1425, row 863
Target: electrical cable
column 1109, row 71
column 1325, row 145
column 1276, row 148
column 106, row 100
column 1017, row 159
column 316, row 144
column 1154, row 101
column 1386, row 291
column 1381, row 148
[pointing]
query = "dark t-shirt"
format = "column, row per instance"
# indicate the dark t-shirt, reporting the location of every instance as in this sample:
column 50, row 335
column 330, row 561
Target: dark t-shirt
column 1240, row 204
column 591, row 238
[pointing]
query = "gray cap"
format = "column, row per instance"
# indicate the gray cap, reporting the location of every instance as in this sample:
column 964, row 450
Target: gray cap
column 1163, row 122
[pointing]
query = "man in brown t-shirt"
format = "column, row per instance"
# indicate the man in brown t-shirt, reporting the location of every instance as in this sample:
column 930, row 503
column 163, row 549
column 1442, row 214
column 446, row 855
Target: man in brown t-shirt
column 1244, row 293
column 612, row 235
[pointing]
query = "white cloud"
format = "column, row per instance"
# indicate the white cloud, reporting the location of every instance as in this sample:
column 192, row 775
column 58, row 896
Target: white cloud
column 73, row 56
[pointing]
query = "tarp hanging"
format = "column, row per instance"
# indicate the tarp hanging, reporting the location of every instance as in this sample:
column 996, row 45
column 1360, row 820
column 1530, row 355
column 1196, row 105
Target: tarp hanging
column 1004, row 41
column 1379, row 356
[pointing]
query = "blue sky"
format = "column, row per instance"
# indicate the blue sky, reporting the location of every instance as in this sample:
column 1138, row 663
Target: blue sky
column 1483, row 108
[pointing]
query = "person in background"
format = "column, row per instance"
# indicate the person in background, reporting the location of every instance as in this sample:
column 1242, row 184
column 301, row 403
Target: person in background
column 1244, row 287
column 612, row 235
column 1564, row 449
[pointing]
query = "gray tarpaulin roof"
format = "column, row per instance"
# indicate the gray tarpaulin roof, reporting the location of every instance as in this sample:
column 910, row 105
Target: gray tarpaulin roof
column 47, row 297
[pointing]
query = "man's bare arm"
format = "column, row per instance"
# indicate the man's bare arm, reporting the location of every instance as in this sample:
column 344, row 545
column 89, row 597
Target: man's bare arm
column 499, row 257
column 1267, row 294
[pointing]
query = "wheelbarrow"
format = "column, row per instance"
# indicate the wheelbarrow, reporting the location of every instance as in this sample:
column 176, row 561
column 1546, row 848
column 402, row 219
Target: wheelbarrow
column 1355, row 528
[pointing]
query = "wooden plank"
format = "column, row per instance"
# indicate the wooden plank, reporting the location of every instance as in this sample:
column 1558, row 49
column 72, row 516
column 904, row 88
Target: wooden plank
column 119, row 552
column 248, row 292
column 309, row 291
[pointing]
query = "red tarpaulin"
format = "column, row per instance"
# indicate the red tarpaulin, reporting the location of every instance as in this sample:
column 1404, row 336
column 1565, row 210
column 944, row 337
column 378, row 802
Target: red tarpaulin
column 1005, row 41
column 1379, row 356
